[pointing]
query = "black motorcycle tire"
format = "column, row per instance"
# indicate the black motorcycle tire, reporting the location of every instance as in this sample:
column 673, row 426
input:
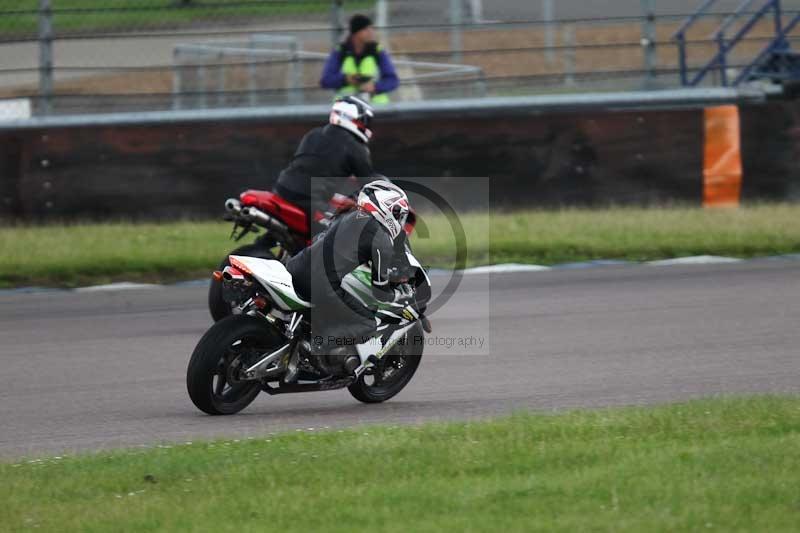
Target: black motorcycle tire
column 367, row 393
column 207, row 362
column 218, row 307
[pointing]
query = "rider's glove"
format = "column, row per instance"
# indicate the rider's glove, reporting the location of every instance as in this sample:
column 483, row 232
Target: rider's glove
column 403, row 294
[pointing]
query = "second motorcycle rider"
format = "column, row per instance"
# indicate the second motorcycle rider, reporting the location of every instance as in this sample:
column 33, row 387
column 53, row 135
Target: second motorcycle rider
column 331, row 159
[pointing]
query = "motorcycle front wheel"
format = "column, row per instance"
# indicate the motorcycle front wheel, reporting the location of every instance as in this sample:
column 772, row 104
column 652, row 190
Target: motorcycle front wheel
column 232, row 342
column 393, row 372
column 217, row 306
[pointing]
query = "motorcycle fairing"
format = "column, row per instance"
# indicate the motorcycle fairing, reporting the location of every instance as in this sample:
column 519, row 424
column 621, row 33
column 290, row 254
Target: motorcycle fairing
column 274, row 205
column 275, row 278
column 413, row 261
column 358, row 283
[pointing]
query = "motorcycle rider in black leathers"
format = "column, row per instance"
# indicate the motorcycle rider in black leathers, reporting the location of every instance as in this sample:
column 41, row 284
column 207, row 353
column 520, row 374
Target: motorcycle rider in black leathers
column 327, row 158
column 365, row 235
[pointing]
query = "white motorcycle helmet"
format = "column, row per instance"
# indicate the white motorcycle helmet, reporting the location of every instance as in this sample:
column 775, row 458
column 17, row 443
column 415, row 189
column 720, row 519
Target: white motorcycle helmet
column 387, row 202
column 354, row 115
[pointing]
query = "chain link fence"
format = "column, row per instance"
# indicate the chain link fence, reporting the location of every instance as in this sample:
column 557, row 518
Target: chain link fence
column 79, row 56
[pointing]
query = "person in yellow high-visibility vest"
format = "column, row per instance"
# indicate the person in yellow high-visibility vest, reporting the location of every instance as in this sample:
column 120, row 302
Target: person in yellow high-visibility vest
column 360, row 65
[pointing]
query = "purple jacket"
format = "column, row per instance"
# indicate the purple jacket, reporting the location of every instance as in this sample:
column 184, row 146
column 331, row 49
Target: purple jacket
column 332, row 77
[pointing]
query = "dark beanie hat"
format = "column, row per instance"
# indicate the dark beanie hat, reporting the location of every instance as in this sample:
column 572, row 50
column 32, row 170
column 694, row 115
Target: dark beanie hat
column 358, row 23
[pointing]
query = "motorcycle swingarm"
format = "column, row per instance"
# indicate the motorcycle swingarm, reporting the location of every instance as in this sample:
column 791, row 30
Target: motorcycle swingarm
column 291, row 388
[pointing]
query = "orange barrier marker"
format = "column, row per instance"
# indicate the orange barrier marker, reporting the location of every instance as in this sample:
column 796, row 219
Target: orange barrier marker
column 722, row 166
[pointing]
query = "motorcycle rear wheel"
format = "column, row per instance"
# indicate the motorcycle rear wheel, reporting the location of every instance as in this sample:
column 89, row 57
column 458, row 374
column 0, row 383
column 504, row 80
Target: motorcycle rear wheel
column 208, row 376
column 217, row 306
column 394, row 371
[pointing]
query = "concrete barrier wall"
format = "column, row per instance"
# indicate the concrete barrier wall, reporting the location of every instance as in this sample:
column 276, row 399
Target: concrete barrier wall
column 771, row 151
column 10, row 175
column 559, row 158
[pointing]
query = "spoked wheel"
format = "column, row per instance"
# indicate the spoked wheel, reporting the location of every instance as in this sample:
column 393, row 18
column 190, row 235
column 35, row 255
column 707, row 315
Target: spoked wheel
column 230, row 344
column 392, row 373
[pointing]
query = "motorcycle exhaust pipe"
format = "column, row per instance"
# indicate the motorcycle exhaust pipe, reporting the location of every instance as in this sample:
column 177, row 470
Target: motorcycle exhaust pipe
column 233, row 205
column 263, row 219
column 253, row 214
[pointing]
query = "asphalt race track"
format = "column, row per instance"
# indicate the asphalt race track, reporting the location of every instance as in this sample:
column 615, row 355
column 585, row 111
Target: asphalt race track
column 86, row 371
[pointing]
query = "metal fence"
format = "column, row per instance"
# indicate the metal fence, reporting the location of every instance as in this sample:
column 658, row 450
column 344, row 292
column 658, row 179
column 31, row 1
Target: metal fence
column 274, row 70
column 79, row 56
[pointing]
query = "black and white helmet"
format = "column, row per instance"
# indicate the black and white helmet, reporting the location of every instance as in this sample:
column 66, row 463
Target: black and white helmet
column 387, row 202
column 354, row 115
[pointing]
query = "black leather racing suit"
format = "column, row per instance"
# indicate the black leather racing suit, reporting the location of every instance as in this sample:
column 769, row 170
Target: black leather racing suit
column 322, row 166
column 353, row 239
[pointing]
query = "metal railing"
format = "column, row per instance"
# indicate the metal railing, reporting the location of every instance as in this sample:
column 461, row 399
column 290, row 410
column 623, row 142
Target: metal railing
column 269, row 73
column 781, row 41
column 725, row 46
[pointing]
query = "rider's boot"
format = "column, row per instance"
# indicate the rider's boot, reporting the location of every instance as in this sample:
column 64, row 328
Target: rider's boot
column 356, row 368
column 366, row 357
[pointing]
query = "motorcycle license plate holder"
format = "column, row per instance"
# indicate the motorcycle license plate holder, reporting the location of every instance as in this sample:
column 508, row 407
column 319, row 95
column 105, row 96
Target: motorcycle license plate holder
column 237, row 291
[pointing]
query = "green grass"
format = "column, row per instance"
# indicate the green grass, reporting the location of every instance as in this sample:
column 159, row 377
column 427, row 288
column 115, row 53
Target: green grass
column 715, row 465
column 69, row 255
column 142, row 14
column 633, row 234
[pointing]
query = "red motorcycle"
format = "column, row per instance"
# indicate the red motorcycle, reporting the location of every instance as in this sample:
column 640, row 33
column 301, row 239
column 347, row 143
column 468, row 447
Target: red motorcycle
column 285, row 233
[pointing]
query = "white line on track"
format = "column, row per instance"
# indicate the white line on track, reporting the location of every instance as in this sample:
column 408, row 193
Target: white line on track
column 506, row 269
column 696, row 260
column 122, row 286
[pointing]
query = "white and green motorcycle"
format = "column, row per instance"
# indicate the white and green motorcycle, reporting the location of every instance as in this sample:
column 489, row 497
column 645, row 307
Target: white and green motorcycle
column 265, row 345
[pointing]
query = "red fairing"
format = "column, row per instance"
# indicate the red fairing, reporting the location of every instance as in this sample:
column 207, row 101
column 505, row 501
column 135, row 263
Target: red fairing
column 293, row 216
column 272, row 204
